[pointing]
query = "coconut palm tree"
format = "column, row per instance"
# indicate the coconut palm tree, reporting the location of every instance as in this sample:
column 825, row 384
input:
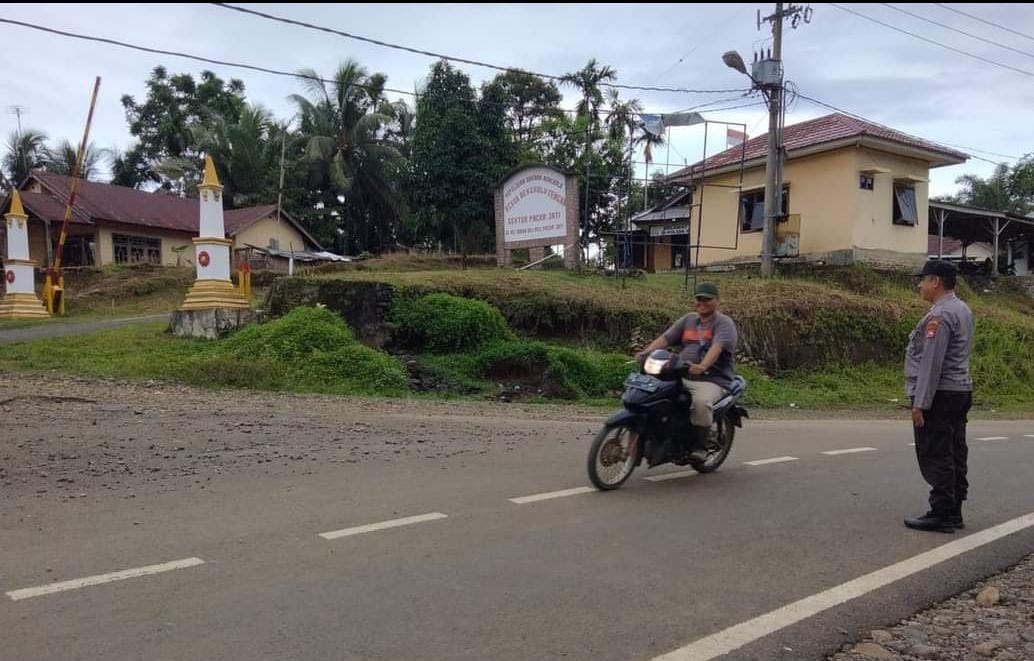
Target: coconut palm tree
column 62, row 160
column 23, row 152
column 350, row 161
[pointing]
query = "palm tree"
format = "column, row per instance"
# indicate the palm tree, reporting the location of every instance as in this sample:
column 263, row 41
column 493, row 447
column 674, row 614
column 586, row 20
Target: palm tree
column 246, row 153
column 349, row 159
column 994, row 193
column 588, row 80
column 62, row 160
column 24, row 152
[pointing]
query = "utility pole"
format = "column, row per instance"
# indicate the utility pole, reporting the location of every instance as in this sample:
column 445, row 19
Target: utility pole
column 768, row 75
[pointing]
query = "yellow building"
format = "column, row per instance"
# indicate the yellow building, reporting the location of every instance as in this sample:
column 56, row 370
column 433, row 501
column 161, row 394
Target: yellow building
column 119, row 225
column 853, row 191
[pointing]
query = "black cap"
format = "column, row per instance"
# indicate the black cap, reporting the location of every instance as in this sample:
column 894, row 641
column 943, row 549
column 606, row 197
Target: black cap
column 939, row 268
column 706, row 290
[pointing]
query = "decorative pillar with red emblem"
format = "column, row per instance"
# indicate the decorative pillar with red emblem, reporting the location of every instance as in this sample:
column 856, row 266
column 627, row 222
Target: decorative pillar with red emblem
column 213, row 288
column 19, row 300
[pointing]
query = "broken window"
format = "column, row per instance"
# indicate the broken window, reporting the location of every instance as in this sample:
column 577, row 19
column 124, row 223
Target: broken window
column 905, row 212
column 752, row 209
column 866, row 182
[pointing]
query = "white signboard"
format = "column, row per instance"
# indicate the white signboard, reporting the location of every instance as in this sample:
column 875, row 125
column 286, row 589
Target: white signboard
column 669, row 230
column 535, row 206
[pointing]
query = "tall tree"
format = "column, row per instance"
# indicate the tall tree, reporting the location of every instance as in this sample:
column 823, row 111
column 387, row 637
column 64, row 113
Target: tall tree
column 24, row 152
column 164, row 123
column 1021, row 184
column 352, row 168
column 590, row 80
column 994, row 192
column 528, row 102
column 455, row 163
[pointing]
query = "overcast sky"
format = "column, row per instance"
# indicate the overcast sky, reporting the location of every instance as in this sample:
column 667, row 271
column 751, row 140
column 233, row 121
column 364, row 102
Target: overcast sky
column 839, row 58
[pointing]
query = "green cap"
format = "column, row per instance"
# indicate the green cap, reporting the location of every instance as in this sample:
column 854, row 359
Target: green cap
column 706, row 290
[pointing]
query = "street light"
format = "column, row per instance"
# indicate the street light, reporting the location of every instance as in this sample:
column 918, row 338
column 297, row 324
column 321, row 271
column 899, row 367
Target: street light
column 733, row 60
column 767, row 76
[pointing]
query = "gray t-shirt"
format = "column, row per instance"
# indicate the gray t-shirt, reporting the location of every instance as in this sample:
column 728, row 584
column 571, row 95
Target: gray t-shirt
column 696, row 336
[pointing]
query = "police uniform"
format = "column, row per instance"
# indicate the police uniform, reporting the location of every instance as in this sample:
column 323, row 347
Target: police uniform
column 938, row 382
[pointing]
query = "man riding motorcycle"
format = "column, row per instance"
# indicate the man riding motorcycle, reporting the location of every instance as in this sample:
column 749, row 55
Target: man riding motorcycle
column 707, row 340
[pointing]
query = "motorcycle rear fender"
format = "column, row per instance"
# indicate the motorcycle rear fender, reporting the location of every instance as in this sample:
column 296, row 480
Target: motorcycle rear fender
column 736, row 414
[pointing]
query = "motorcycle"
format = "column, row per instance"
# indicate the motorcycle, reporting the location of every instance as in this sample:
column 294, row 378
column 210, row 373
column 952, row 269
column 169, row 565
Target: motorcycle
column 654, row 424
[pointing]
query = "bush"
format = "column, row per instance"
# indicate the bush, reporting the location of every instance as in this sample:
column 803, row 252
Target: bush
column 355, row 369
column 590, row 373
column 563, row 371
column 293, row 337
column 442, row 323
column 315, row 350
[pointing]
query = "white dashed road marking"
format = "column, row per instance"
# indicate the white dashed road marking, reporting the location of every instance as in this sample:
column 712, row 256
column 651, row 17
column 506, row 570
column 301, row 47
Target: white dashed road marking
column 383, row 525
column 523, row 500
column 833, row 453
column 671, row 476
column 773, row 460
column 26, row 593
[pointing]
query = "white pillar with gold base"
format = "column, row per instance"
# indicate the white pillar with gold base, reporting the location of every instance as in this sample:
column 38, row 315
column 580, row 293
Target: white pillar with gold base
column 213, row 288
column 19, row 300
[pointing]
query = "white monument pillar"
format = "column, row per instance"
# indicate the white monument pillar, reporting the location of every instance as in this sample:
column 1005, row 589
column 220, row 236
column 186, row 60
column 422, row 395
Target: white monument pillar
column 213, row 288
column 19, row 300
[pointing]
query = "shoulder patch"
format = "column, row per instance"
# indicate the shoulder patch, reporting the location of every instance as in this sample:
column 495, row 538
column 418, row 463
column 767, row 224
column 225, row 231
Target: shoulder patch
column 932, row 326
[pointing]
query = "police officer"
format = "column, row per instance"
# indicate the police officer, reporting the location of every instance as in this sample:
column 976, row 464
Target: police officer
column 938, row 382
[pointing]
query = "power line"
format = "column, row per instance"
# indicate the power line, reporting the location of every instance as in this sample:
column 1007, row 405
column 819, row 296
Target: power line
column 700, row 106
column 225, row 63
column 452, row 58
column 188, row 56
column 682, row 59
column 931, row 41
column 984, row 20
column 954, row 29
column 866, row 119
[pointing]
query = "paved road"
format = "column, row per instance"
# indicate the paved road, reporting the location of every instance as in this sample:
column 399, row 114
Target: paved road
column 461, row 571
column 60, row 328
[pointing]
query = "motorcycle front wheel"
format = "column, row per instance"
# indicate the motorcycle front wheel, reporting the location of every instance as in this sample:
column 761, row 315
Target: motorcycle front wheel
column 613, row 456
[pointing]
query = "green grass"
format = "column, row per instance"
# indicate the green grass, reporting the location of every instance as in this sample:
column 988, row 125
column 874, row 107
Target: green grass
column 309, row 350
column 147, row 352
column 842, row 329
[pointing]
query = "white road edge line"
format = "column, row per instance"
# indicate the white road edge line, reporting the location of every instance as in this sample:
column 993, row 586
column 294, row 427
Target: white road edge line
column 383, row 525
column 550, row 495
column 994, row 438
column 26, row 593
column 1028, row 436
column 834, row 453
column 773, row 460
column 742, row 634
column 671, row 476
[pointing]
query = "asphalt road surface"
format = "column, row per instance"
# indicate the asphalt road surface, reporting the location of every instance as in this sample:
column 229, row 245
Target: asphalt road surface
column 157, row 522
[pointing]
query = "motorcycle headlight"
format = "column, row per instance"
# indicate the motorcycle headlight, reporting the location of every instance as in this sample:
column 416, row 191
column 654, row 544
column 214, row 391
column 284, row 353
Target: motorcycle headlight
column 653, row 366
